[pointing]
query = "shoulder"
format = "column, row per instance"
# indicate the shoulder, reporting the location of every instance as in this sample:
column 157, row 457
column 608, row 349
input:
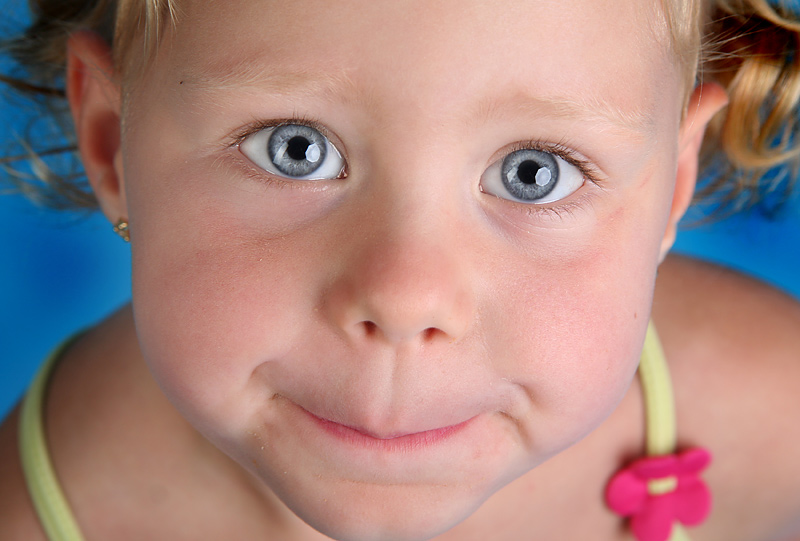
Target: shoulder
column 18, row 519
column 733, row 345
column 704, row 311
column 713, row 309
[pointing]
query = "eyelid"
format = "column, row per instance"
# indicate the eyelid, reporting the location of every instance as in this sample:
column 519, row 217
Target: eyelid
column 257, row 125
column 237, row 138
column 562, row 209
column 589, row 171
column 534, row 213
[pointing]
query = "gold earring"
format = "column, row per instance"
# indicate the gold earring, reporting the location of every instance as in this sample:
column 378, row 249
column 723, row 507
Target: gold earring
column 121, row 229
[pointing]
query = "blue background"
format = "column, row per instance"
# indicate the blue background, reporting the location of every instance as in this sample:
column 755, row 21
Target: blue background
column 60, row 272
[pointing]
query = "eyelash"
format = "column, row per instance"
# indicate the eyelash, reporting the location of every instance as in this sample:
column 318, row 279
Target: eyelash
column 562, row 209
column 258, row 125
column 561, row 149
column 274, row 180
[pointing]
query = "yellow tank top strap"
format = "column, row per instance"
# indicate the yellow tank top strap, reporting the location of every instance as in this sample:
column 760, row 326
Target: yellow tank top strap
column 48, row 499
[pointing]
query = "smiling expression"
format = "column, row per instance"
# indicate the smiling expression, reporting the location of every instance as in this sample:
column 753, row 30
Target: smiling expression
column 457, row 293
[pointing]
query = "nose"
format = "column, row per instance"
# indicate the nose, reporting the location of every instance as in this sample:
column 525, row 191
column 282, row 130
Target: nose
column 402, row 281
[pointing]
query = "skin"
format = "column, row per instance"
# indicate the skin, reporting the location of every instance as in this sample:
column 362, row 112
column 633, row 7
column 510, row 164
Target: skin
column 404, row 298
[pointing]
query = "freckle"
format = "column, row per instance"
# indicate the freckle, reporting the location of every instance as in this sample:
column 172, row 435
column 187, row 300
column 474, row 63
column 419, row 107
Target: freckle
column 180, row 83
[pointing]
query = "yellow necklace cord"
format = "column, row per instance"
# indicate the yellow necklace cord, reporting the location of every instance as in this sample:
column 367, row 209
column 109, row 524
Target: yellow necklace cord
column 59, row 524
column 659, row 405
column 48, row 499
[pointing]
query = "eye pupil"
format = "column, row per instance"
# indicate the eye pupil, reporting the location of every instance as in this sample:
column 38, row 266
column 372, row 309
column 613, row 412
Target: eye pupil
column 297, row 147
column 528, row 172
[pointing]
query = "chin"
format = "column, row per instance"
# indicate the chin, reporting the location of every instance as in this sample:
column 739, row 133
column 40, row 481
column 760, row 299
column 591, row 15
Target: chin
column 386, row 513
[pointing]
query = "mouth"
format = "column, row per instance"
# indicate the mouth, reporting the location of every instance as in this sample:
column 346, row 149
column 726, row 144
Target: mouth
column 423, row 448
column 389, row 442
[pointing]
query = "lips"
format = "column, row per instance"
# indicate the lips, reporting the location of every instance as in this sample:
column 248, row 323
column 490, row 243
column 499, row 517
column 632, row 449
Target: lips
column 430, row 445
column 391, row 442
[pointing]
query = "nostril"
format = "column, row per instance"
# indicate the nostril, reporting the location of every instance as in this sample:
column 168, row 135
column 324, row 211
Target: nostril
column 370, row 328
column 430, row 334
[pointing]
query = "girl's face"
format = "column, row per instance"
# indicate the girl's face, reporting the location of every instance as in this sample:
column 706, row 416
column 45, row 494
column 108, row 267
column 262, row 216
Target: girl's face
column 461, row 289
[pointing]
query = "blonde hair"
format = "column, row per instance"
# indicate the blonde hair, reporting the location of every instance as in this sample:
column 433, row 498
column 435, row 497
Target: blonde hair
column 145, row 19
column 749, row 46
column 754, row 52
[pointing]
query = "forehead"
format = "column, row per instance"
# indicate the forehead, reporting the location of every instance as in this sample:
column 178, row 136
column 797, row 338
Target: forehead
column 610, row 55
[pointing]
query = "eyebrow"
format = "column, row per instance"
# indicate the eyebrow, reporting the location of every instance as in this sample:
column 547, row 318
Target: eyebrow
column 588, row 108
column 248, row 74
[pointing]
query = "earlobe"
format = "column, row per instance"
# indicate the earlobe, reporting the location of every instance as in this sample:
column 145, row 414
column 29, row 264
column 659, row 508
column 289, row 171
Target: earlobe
column 94, row 99
column 706, row 100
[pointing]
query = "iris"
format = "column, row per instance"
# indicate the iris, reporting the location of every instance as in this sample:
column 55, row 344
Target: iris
column 296, row 150
column 529, row 174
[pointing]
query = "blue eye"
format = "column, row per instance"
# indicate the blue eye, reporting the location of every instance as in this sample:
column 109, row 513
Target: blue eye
column 294, row 151
column 532, row 176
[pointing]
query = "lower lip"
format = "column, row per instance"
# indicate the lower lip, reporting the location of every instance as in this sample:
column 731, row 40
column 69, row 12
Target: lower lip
column 400, row 444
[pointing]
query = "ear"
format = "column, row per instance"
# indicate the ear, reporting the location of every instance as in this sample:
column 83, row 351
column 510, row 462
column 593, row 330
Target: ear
column 95, row 102
column 706, row 100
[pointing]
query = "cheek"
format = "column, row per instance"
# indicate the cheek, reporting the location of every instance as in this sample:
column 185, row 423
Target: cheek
column 570, row 320
column 212, row 301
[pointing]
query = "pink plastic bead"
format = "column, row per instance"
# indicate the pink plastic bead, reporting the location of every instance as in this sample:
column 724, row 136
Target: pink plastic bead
column 683, row 496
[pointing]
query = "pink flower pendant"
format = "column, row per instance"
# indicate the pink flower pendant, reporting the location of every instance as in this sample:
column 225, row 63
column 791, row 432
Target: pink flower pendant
column 659, row 490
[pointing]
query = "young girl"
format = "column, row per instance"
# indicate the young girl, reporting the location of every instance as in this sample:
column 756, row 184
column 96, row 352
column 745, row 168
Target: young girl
column 393, row 268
